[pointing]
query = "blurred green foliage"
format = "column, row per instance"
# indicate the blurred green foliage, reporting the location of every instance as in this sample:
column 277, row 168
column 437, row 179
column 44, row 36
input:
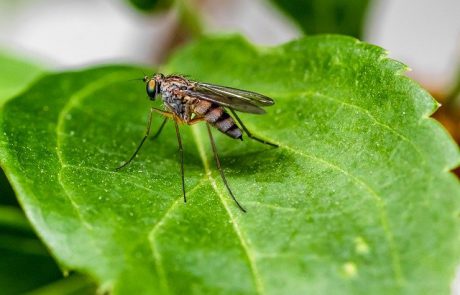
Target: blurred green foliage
column 312, row 16
column 150, row 5
column 7, row 196
column 24, row 262
column 327, row 16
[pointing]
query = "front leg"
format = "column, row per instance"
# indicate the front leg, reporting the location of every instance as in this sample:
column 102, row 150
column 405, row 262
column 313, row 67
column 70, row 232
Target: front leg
column 181, row 151
column 195, row 120
column 163, row 113
column 147, row 132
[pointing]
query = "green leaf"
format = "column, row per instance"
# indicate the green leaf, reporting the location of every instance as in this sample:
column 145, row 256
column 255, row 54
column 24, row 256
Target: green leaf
column 453, row 98
column 150, row 5
column 357, row 199
column 24, row 261
column 144, row 4
column 73, row 285
column 16, row 74
column 12, row 217
column 25, row 264
column 330, row 16
column 7, row 196
column 36, row 272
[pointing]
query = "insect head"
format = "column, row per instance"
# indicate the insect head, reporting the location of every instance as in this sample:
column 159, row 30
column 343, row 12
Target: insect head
column 153, row 85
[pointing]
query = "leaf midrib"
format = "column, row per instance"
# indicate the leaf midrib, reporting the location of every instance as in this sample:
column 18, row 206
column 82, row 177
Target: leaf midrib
column 244, row 244
column 152, row 238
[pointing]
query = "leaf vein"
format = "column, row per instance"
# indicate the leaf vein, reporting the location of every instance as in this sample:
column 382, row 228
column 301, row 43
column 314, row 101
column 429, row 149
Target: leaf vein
column 136, row 184
column 274, row 207
column 372, row 117
column 72, row 102
column 153, row 234
column 384, row 220
column 244, row 245
column 362, row 111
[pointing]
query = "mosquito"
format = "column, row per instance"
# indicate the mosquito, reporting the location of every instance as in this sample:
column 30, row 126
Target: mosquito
column 190, row 102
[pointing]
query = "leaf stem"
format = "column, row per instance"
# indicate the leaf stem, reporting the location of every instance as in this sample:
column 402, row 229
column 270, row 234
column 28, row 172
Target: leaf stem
column 189, row 18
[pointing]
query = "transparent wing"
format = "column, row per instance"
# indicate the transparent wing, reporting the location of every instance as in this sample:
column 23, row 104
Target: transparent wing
column 238, row 94
column 236, row 99
column 226, row 101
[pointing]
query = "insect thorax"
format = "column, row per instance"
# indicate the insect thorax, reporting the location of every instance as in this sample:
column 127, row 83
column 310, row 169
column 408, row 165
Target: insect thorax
column 173, row 99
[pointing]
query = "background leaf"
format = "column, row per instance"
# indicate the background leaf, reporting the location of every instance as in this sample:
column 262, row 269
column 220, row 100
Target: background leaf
column 24, row 261
column 25, row 264
column 150, row 5
column 357, row 199
column 330, row 16
column 15, row 75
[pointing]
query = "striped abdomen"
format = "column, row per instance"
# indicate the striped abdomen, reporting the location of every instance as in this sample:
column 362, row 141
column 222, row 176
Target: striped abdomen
column 216, row 115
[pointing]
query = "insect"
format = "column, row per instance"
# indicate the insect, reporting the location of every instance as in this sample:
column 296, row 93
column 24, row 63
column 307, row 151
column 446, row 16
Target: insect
column 189, row 102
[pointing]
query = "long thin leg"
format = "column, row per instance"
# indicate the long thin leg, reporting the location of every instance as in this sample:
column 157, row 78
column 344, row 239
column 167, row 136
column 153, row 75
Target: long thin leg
column 163, row 113
column 160, row 129
column 249, row 133
column 181, row 151
column 194, row 121
column 147, row 132
column 216, row 157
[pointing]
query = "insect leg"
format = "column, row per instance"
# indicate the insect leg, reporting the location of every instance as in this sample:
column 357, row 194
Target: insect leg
column 194, row 121
column 147, row 132
column 249, row 133
column 216, row 157
column 163, row 113
column 181, row 151
column 160, row 129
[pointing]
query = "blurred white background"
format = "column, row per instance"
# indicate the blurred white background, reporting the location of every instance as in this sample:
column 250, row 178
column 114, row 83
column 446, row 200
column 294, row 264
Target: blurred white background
column 425, row 34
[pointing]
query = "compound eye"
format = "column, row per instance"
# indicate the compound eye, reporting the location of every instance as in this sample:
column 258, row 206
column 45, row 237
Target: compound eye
column 151, row 89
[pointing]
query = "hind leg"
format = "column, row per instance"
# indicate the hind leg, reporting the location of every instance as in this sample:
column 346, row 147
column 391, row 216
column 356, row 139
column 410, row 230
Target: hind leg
column 249, row 134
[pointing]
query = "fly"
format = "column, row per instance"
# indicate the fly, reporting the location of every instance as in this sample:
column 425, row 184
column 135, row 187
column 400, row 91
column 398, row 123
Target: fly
column 189, row 102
